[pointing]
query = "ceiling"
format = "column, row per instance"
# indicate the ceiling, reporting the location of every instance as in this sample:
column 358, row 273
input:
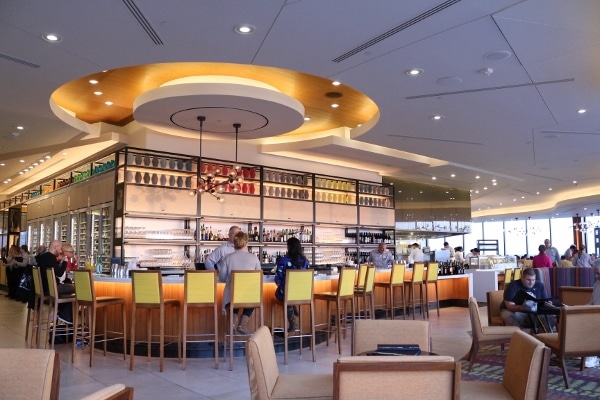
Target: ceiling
column 507, row 76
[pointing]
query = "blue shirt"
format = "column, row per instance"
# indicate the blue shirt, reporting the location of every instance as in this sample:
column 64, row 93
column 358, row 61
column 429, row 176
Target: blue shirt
column 283, row 263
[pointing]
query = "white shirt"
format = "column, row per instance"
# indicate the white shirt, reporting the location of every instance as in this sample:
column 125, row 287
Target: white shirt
column 416, row 255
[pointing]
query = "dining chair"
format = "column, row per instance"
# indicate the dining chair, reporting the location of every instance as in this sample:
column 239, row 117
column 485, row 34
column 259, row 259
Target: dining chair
column 495, row 298
column 416, row 281
column 431, row 278
column 365, row 293
column 39, row 302
column 367, row 334
column 55, row 299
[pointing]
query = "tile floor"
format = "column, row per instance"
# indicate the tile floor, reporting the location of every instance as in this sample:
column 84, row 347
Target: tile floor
column 200, row 380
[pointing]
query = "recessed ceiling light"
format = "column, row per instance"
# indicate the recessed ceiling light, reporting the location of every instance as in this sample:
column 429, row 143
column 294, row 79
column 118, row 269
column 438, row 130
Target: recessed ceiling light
column 48, row 157
column 42, row 160
column 522, row 197
column 21, row 160
column 477, row 177
column 98, row 93
column 433, row 178
column 64, row 153
column 36, row 164
column 414, row 72
column 335, row 105
column 581, row 111
column 477, row 191
column 108, row 103
column 244, row 29
column 574, row 181
column 52, row 37
column 20, row 128
column 494, row 183
column 2, row 164
column 452, row 175
column 307, row 118
column 500, row 204
column 436, row 117
column 549, row 188
column 336, row 83
column 537, row 192
column 21, row 172
column 93, row 81
column 485, row 188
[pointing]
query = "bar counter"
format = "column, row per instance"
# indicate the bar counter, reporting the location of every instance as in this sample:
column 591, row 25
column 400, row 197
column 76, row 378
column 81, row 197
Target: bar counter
column 453, row 288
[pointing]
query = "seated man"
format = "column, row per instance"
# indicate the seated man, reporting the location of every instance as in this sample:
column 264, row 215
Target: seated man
column 513, row 308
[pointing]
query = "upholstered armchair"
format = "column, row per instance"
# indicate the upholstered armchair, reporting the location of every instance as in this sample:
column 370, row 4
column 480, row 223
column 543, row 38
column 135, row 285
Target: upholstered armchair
column 368, row 333
column 29, row 374
column 265, row 381
column 403, row 377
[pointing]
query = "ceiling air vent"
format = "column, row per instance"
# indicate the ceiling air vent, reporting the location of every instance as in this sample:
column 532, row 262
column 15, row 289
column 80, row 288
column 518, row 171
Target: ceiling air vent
column 143, row 21
column 19, row 61
column 395, row 30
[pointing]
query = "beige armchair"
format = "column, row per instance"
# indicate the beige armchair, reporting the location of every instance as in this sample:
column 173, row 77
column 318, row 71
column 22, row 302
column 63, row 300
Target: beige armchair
column 265, row 381
column 577, row 336
column 367, row 334
column 525, row 373
column 494, row 300
column 113, row 392
column 404, row 377
column 38, row 373
column 575, row 295
column 483, row 335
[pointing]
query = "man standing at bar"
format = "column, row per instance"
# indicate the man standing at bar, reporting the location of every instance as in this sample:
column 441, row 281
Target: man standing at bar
column 553, row 253
column 213, row 260
column 381, row 257
column 416, row 255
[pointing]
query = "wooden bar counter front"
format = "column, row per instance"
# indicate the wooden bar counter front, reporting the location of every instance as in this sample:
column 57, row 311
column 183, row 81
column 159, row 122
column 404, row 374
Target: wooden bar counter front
column 456, row 287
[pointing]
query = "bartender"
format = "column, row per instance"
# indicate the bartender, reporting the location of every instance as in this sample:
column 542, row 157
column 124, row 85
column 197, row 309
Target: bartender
column 381, row 257
column 416, row 255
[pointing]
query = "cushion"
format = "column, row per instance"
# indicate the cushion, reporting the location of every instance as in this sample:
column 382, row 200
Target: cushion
column 39, row 365
column 304, row 387
column 475, row 390
column 106, row 392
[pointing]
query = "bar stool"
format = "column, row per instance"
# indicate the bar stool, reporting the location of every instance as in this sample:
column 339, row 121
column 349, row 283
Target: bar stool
column 516, row 274
column 38, row 304
column 364, row 292
column 360, row 277
column 55, row 299
column 147, row 292
column 417, row 280
column 200, row 291
column 246, row 292
column 508, row 272
column 299, row 291
column 344, row 293
column 432, row 278
column 396, row 281
column 87, row 304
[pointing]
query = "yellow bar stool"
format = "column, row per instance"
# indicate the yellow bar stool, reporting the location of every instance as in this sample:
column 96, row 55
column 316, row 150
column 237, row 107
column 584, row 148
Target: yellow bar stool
column 396, row 281
column 56, row 299
column 516, row 274
column 38, row 305
column 299, row 291
column 148, row 294
column 200, row 291
column 246, row 292
column 417, row 280
column 87, row 305
column 432, row 278
column 366, row 292
column 344, row 293
column 508, row 276
column 361, row 276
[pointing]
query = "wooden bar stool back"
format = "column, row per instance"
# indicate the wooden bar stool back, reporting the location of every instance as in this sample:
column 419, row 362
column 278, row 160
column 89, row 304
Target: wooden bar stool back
column 516, row 274
column 396, row 281
column 299, row 291
column 147, row 289
column 417, row 280
column 432, row 278
column 246, row 292
column 87, row 305
column 508, row 276
column 55, row 300
column 361, row 276
column 366, row 293
column 200, row 291
column 344, row 293
column 38, row 306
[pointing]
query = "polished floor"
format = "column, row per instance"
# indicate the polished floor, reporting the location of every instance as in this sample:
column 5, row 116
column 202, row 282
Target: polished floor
column 200, row 380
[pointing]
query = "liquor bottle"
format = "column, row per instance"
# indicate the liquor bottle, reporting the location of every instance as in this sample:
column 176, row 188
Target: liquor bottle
column 99, row 265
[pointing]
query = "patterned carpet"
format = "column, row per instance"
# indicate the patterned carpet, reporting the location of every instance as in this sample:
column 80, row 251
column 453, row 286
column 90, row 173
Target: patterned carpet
column 489, row 367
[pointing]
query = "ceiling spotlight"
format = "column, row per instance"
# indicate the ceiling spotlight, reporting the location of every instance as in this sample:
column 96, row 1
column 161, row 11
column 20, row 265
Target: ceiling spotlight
column 574, row 182
column 437, row 117
column 98, row 93
column 93, row 81
column 52, row 38
column 2, row 164
column 21, row 160
column 414, row 72
column 48, row 157
column 335, row 105
column 20, row 128
column 307, row 118
column 452, row 175
column 581, row 111
column 336, row 83
column 477, row 177
column 433, row 178
column 108, row 103
column 244, row 29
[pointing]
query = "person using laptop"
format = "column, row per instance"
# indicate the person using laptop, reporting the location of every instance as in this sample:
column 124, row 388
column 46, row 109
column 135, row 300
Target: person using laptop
column 519, row 298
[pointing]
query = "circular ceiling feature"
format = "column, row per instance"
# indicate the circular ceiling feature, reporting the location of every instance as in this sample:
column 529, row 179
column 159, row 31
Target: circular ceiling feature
column 497, row 55
column 260, row 109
